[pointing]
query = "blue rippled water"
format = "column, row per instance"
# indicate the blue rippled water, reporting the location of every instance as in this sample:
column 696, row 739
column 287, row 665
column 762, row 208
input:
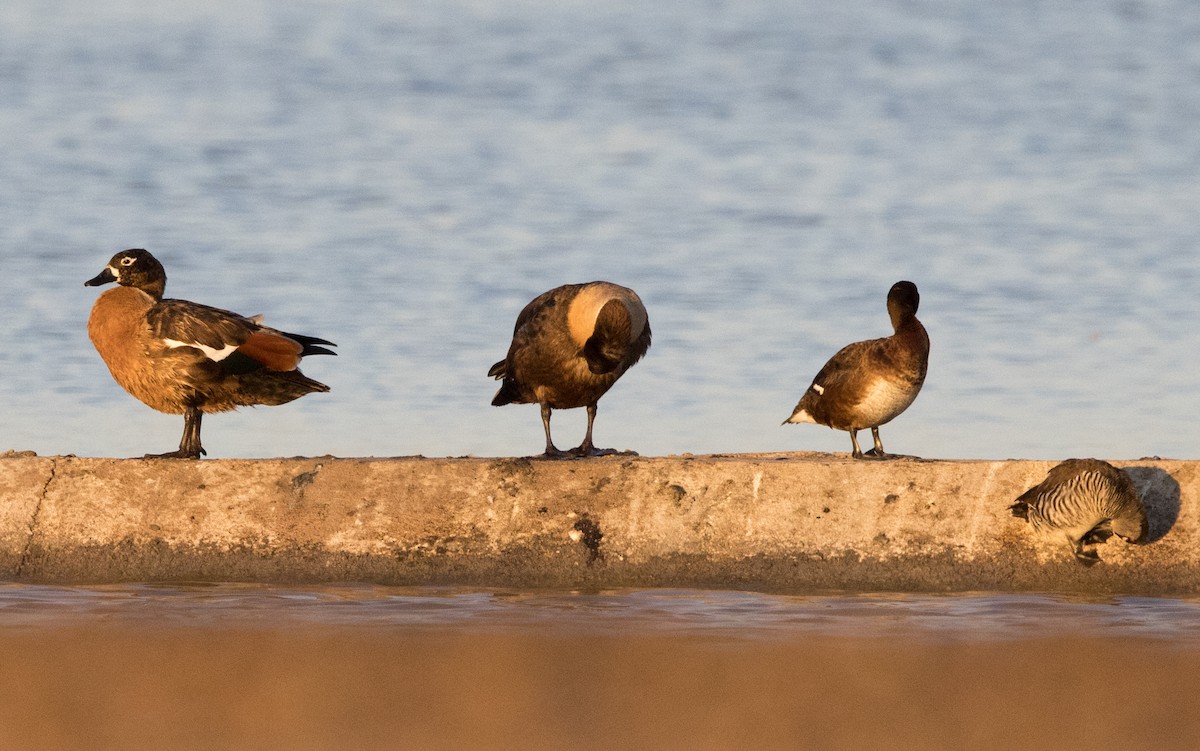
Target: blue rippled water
column 402, row 177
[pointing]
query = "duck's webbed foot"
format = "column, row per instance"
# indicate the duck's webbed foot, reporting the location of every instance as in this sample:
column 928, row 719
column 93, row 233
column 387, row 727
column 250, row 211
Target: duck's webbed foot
column 878, row 453
column 586, row 450
column 189, row 446
column 178, row 454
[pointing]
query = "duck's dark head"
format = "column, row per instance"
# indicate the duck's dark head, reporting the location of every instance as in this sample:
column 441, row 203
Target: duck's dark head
column 902, row 301
column 133, row 268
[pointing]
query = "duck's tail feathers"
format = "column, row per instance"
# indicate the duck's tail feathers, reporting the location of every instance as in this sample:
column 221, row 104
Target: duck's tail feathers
column 275, row 387
column 508, row 393
column 800, row 415
column 310, row 345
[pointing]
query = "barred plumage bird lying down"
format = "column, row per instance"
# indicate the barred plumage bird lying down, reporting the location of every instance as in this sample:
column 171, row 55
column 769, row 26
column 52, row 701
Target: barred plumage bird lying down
column 1088, row 501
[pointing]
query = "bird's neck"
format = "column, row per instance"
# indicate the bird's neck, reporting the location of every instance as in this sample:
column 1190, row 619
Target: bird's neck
column 154, row 289
column 909, row 328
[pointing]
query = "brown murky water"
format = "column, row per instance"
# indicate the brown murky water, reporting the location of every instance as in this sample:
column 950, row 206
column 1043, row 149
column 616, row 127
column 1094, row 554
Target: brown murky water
column 236, row 666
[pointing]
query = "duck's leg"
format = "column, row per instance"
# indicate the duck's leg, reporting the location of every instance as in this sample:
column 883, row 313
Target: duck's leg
column 1086, row 554
column 857, row 452
column 192, row 446
column 877, row 452
column 552, row 451
column 587, row 448
column 189, row 445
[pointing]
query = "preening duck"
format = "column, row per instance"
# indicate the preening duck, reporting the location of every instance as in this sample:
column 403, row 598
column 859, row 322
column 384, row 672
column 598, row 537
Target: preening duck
column 569, row 346
column 1087, row 501
column 869, row 383
column 182, row 357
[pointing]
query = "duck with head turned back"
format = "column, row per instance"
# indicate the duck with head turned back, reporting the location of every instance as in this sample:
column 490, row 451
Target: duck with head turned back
column 569, row 346
column 869, row 383
column 1087, row 501
column 182, row 357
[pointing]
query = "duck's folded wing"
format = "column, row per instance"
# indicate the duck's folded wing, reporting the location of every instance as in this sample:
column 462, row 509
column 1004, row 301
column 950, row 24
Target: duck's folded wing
column 240, row 343
column 843, row 366
column 215, row 332
column 543, row 303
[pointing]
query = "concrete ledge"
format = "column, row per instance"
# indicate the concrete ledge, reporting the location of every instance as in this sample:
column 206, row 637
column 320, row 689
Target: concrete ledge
column 785, row 523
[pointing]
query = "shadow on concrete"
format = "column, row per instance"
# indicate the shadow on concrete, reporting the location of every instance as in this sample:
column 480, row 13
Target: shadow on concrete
column 1160, row 495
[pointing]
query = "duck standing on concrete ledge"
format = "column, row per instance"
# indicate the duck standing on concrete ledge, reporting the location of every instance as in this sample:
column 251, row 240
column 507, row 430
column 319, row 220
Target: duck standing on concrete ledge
column 1087, row 500
column 569, row 346
column 869, row 383
column 184, row 358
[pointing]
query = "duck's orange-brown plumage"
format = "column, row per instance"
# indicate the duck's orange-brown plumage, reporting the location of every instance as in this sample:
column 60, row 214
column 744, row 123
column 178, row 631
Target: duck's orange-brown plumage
column 186, row 358
column 272, row 351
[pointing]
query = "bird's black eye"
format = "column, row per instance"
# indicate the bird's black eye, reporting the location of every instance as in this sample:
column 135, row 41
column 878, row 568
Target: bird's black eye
column 127, row 261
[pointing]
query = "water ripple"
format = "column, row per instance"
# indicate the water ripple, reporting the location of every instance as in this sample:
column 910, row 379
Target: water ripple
column 734, row 615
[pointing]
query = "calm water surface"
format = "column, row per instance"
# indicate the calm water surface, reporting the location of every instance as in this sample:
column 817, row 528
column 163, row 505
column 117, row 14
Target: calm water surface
column 626, row 613
column 402, row 177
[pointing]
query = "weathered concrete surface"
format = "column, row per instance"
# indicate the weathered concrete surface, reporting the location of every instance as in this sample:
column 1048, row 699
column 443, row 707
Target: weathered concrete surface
column 787, row 522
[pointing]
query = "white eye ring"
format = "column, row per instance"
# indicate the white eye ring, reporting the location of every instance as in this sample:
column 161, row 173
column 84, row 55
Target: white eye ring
column 127, row 261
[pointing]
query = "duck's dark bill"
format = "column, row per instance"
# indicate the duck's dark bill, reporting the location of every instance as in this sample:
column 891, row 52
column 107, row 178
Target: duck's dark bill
column 104, row 277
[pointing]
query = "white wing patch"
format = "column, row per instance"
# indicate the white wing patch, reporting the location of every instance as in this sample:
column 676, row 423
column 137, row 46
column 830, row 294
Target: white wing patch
column 818, row 388
column 216, row 355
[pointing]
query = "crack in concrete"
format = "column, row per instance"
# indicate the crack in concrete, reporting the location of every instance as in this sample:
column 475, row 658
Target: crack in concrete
column 33, row 520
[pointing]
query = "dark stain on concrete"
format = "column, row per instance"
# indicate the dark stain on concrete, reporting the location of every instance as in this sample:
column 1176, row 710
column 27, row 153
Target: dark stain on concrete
column 301, row 481
column 679, row 493
column 591, row 536
column 511, row 472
